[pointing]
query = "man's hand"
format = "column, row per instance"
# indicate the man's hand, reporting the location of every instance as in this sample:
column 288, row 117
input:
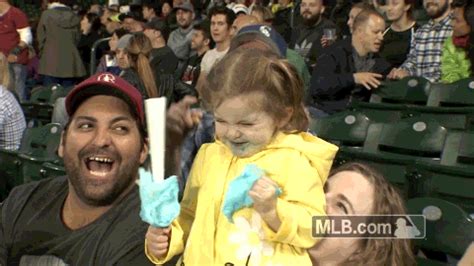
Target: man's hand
column 157, row 240
column 180, row 119
column 398, row 73
column 368, row 80
column 12, row 58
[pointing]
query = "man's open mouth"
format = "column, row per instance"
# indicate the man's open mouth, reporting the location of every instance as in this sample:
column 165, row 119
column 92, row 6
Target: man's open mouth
column 99, row 165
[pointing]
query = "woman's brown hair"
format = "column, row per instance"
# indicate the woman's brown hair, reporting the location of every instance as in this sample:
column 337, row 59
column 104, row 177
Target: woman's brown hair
column 245, row 71
column 387, row 201
column 139, row 49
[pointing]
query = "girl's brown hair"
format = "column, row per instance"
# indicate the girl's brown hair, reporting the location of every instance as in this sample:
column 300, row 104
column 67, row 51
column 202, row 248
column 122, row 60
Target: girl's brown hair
column 139, row 49
column 4, row 72
column 387, row 201
column 245, row 71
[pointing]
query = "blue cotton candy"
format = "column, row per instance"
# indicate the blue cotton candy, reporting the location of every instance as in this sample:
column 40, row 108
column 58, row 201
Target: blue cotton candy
column 237, row 194
column 159, row 200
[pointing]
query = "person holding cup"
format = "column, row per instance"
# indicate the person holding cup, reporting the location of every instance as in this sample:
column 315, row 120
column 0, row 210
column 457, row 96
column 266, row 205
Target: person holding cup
column 306, row 38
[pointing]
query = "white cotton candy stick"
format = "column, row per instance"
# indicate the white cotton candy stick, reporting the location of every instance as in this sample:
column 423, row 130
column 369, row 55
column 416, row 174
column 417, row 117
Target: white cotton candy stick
column 155, row 109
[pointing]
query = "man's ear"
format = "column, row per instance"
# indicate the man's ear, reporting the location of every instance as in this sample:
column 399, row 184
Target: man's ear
column 323, row 8
column 144, row 151
column 207, row 42
column 61, row 144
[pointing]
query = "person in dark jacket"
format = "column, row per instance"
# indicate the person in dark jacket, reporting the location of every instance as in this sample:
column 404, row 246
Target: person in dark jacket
column 58, row 34
column 350, row 69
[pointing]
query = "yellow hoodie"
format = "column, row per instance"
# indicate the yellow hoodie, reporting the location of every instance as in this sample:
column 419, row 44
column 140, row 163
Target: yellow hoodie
column 299, row 163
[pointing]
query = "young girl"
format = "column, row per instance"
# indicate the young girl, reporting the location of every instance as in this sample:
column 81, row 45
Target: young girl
column 257, row 102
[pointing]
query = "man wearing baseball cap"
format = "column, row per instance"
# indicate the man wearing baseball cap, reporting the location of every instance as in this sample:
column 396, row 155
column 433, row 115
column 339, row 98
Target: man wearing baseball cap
column 180, row 39
column 91, row 215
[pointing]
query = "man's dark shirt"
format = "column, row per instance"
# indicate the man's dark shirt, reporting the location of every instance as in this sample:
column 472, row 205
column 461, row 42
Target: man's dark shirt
column 163, row 60
column 332, row 83
column 31, row 229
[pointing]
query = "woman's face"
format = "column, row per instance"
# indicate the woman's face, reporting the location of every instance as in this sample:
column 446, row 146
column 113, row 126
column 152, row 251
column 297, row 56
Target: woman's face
column 460, row 25
column 85, row 25
column 113, row 42
column 166, row 9
column 396, row 9
column 122, row 59
column 347, row 193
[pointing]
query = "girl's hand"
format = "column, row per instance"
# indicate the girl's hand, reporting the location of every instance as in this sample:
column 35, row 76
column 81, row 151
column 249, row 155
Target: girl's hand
column 158, row 241
column 264, row 195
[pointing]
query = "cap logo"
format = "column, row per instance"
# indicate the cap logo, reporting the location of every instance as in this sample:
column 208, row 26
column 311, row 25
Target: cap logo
column 265, row 30
column 107, row 78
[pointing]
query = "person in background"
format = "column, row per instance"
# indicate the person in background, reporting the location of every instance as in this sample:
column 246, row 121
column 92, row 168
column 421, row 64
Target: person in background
column 457, row 60
column 151, row 11
column 90, row 29
column 350, row 69
column 354, row 11
column 15, row 36
column 133, row 51
column 263, row 14
column 58, row 33
column 165, row 10
column 108, row 63
column 201, row 43
column 180, row 39
column 306, row 38
column 397, row 38
column 12, row 119
column 424, row 58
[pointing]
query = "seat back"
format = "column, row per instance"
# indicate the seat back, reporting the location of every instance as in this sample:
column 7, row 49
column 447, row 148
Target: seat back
column 449, row 228
column 348, row 128
column 411, row 138
column 45, row 141
column 457, row 94
column 409, row 90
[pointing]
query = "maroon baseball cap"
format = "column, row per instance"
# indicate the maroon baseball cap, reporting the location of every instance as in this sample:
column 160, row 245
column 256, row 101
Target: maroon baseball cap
column 106, row 84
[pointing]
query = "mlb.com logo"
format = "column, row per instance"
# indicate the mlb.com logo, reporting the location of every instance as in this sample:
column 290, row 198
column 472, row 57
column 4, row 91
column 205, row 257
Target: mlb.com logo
column 370, row 226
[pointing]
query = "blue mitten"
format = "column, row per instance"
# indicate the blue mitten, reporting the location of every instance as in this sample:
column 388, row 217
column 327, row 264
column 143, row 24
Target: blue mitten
column 237, row 194
column 159, row 200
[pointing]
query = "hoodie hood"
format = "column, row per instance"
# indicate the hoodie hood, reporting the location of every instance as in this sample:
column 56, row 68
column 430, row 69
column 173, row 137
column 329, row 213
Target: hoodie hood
column 319, row 152
column 63, row 16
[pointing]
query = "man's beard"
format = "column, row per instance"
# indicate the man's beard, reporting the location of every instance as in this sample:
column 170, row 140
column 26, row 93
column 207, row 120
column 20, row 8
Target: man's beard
column 440, row 12
column 311, row 20
column 109, row 191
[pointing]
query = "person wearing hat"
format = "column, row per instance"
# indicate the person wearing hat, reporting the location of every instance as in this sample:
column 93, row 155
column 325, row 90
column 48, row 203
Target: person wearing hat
column 132, row 21
column 162, row 58
column 91, row 215
column 180, row 39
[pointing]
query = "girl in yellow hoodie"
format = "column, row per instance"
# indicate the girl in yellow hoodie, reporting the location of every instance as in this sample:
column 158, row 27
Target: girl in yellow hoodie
column 257, row 102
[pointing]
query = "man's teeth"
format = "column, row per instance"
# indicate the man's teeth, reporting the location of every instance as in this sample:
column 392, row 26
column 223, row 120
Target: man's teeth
column 101, row 160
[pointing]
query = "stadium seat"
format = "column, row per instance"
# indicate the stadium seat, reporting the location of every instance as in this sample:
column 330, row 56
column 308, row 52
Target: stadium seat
column 44, row 146
column 392, row 147
column 41, row 104
column 379, row 112
column 449, row 229
column 452, row 178
column 457, row 94
column 409, row 90
column 458, row 118
column 50, row 169
column 347, row 128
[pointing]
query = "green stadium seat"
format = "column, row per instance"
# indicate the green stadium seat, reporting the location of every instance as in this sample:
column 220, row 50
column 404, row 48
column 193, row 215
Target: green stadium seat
column 380, row 112
column 44, row 146
column 392, row 147
column 457, row 94
column 50, row 169
column 409, row 90
column 458, row 118
column 41, row 104
column 452, row 178
column 449, row 229
column 347, row 128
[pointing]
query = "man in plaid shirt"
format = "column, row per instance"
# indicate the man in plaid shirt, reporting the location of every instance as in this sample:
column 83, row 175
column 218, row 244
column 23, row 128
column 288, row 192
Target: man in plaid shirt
column 424, row 58
column 12, row 121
